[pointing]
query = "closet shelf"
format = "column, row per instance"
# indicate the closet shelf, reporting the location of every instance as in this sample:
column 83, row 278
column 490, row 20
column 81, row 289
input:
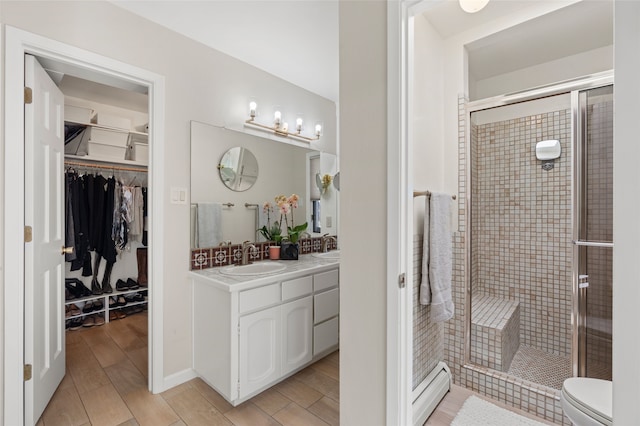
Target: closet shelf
column 86, row 161
column 102, row 126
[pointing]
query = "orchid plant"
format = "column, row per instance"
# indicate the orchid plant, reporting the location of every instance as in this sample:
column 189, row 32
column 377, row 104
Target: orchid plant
column 271, row 232
column 286, row 206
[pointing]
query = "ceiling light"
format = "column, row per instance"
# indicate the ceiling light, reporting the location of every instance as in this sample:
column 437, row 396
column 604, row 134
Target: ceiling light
column 473, row 6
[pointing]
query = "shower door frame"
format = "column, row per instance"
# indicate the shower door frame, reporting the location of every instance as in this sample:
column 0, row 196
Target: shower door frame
column 573, row 87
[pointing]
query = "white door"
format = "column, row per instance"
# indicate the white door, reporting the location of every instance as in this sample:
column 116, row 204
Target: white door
column 44, row 330
column 259, row 350
column 296, row 334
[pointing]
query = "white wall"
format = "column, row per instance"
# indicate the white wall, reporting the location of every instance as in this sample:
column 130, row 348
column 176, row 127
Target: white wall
column 363, row 153
column 626, row 227
column 427, row 131
column 202, row 85
column 585, row 63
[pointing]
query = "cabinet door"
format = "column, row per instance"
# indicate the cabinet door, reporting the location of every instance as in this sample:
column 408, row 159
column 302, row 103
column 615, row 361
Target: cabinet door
column 260, row 351
column 297, row 328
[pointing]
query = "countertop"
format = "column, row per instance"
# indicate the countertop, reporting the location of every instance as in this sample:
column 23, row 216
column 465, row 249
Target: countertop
column 306, row 264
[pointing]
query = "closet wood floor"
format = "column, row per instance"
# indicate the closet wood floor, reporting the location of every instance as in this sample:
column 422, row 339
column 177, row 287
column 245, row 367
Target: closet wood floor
column 106, row 384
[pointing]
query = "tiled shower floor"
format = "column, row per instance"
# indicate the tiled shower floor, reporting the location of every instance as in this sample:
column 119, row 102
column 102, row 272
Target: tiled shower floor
column 541, row 367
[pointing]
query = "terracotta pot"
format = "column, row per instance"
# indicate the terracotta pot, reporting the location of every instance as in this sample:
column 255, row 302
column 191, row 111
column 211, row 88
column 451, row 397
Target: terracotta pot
column 274, row 252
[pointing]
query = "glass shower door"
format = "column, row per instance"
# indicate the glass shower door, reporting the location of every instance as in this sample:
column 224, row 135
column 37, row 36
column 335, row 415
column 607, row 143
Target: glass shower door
column 593, row 232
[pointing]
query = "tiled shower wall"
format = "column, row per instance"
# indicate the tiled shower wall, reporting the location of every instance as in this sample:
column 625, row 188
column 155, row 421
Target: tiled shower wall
column 521, row 222
column 428, row 338
column 537, row 399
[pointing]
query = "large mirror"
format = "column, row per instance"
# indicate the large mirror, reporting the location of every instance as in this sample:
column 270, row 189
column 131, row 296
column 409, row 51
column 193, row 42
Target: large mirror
column 238, row 169
column 235, row 216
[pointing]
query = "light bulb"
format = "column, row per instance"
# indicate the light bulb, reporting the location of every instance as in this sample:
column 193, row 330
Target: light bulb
column 318, row 129
column 252, row 109
column 277, row 116
column 285, row 127
column 299, row 125
column 473, row 6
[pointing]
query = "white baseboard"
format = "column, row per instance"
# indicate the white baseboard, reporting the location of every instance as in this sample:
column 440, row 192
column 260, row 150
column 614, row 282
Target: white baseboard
column 178, row 378
column 430, row 392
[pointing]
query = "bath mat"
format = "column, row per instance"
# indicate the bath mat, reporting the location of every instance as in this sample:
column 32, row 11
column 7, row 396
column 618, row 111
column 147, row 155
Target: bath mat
column 478, row 412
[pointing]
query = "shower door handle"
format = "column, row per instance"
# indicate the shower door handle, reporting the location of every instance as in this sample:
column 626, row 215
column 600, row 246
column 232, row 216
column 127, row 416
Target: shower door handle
column 591, row 243
column 582, row 281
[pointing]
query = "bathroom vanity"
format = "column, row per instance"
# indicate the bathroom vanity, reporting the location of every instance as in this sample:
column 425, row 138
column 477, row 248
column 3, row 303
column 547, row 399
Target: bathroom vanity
column 252, row 331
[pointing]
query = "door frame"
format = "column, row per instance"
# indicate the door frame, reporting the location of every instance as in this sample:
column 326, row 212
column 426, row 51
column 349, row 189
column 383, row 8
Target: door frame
column 17, row 44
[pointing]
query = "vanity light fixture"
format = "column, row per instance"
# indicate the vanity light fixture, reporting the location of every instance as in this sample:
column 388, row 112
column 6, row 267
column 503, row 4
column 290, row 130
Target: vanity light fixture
column 279, row 127
column 473, row 6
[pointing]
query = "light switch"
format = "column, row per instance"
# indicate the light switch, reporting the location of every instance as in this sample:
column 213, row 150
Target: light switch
column 178, row 195
column 329, row 221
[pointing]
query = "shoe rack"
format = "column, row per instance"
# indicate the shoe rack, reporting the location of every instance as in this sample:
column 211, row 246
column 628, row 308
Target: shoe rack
column 104, row 313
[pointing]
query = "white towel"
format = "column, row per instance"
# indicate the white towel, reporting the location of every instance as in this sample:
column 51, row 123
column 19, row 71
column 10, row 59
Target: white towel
column 209, row 224
column 435, row 287
column 194, row 226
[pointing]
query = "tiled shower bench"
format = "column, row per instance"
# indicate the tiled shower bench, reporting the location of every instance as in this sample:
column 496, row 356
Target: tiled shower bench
column 495, row 331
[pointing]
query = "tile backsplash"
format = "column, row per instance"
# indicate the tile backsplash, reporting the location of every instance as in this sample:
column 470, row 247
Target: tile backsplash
column 212, row 257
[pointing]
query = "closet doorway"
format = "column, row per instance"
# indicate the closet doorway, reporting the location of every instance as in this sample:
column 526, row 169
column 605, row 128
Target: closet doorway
column 19, row 406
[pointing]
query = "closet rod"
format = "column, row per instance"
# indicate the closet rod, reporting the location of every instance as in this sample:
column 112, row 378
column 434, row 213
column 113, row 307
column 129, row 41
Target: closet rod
column 427, row 193
column 104, row 166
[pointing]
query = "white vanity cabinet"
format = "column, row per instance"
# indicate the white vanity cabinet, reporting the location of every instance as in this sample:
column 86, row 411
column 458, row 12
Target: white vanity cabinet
column 251, row 334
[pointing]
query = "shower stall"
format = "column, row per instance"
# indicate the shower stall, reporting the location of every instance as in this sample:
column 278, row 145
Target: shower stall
column 540, row 249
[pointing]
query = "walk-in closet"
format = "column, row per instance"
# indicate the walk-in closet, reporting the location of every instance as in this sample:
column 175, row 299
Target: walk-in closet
column 106, row 237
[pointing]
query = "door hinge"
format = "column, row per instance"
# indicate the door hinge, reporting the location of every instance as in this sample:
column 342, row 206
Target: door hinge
column 402, row 280
column 28, row 234
column 238, row 387
column 28, row 95
column 27, row 372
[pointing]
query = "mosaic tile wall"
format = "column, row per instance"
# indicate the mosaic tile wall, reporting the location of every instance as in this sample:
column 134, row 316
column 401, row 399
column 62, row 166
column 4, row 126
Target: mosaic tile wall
column 599, row 228
column 519, row 393
column 521, row 220
column 212, row 257
column 428, row 338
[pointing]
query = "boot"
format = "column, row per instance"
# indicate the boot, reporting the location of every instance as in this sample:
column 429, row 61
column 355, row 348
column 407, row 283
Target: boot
column 95, row 285
column 141, row 254
column 106, row 279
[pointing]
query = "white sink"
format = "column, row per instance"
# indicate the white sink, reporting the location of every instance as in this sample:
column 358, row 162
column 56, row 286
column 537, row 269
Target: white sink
column 334, row 254
column 258, row 268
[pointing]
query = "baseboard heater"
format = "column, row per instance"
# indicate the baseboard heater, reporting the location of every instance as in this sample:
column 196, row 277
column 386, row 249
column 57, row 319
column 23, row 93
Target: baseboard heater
column 428, row 394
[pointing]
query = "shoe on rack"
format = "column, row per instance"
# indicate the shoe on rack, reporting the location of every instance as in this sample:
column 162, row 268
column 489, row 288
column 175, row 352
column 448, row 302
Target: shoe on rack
column 89, row 321
column 98, row 305
column 68, row 295
column 121, row 286
column 75, row 323
column 113, row 316
column 132, row 284
column 74, row 310
column 99, row 320
column 95, row 287
column 121, row 314
column 88, row 307
column 122, row 301
column 138, row 297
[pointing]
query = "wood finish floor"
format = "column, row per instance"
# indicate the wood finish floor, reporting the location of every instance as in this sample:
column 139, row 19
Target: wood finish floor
column 106, row 384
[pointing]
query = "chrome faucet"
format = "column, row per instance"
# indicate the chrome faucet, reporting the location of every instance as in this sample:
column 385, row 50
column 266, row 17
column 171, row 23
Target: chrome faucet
column 324, row 242
column 246, row 248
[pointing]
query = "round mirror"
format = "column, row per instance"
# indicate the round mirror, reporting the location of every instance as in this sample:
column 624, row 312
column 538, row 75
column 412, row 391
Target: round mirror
column 238, row 169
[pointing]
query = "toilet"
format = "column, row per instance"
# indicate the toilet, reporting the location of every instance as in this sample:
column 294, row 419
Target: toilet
column 587, row 402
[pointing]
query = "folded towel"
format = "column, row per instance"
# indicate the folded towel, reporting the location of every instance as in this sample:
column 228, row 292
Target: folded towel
column 435, row 288
column 209, row 224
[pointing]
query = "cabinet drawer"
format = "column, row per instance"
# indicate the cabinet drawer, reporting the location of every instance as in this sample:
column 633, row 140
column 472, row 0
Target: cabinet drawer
column 259, row 297
column 325, row 280
column 326, row 305
column 325, row 335
column 296, row 288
